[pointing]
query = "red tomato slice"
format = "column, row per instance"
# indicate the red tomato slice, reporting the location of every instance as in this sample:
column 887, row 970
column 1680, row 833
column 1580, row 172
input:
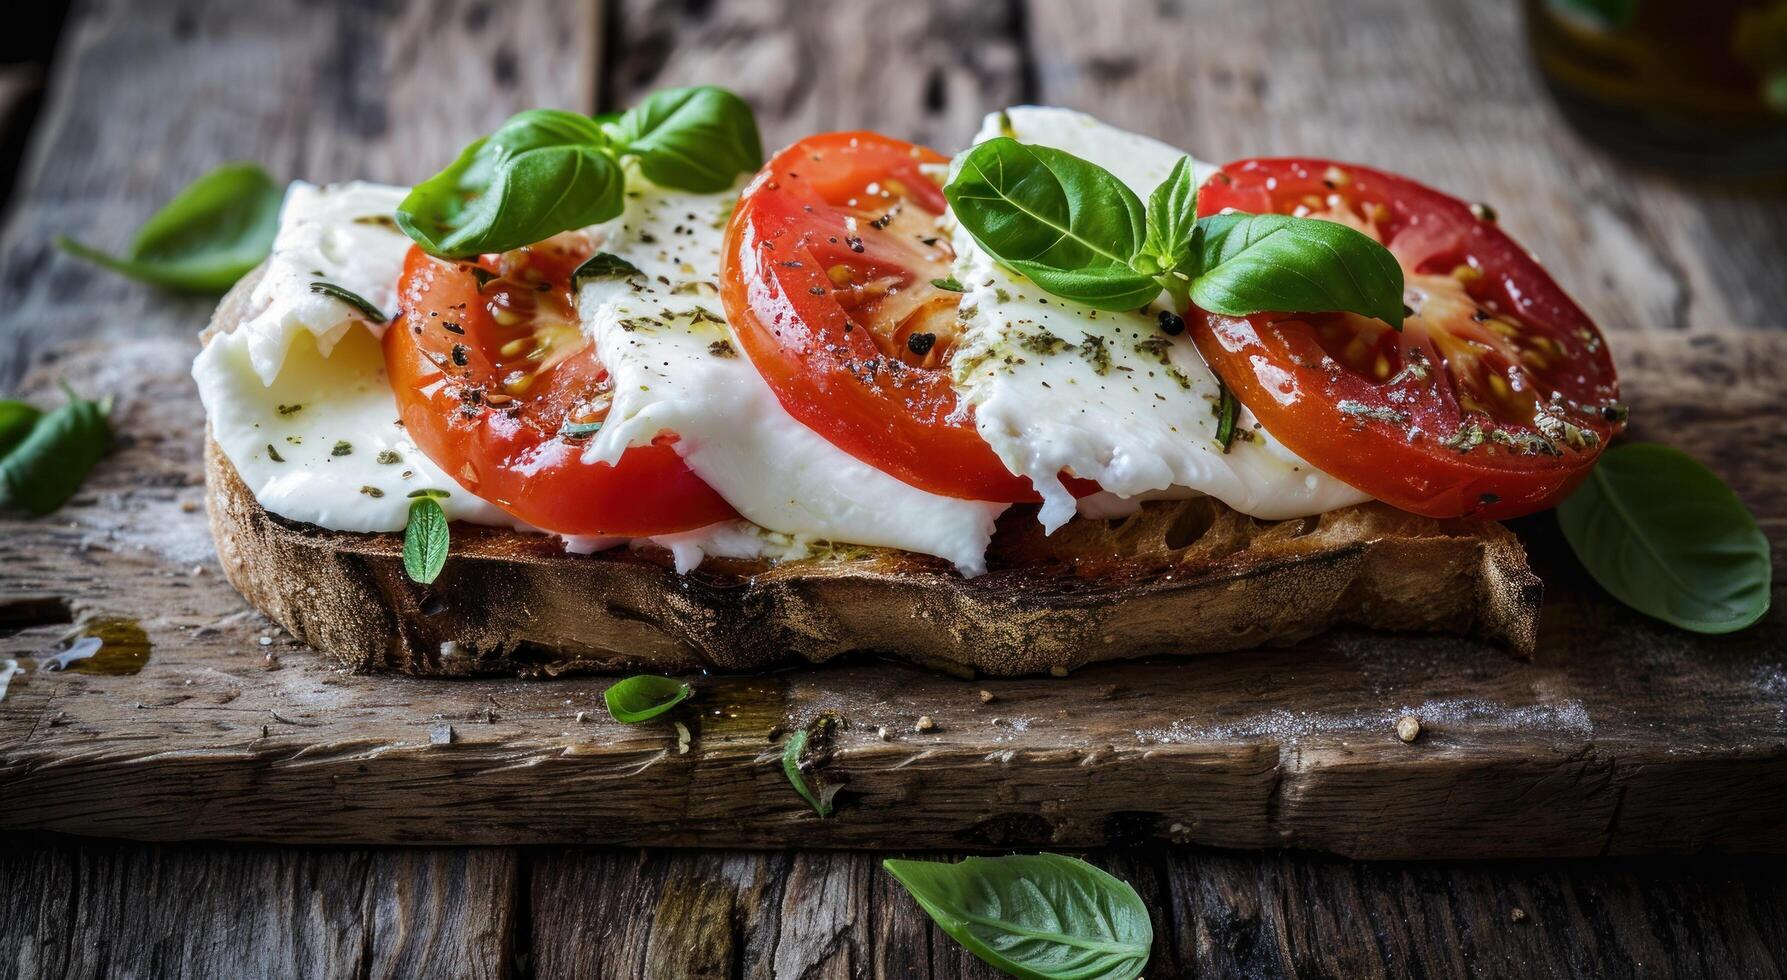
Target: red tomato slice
column 827, row 279
column 1494, row 400
column 489, row 367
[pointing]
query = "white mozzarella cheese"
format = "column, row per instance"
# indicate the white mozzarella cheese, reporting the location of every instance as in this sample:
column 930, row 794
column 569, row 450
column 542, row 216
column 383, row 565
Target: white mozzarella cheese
column 678, row 368
column 1059, row 387
column 297, row 397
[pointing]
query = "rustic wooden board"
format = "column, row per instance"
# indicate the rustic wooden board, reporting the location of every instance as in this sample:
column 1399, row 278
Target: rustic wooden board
column 1622, row 736
column 335, row 913
column 86, row 909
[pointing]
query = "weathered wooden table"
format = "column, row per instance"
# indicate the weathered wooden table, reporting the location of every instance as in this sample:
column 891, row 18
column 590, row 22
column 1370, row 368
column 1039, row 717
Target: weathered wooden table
column 145, row 95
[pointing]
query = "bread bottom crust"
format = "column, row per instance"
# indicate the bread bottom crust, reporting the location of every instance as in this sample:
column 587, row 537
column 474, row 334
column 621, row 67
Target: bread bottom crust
column 1179, row 577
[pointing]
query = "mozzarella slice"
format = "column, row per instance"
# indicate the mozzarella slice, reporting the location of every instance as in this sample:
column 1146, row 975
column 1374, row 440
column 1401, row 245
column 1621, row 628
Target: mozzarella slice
column 678, row 368
column 1109, row 397
column 297, row 397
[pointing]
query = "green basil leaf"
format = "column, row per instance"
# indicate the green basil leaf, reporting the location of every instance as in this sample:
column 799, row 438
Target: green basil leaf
column 693, row 139
column 1667, row 537
column 643, row 697
column 425, row 540
column 17, row 419
column 1035, row 915
column 351, row 298
column 1070, row 226
column 1173, row 219
column 1257, row 263
column 206, row 238
column 44, row 468
column 816, row 736
column 542, row 172
column 605, row 265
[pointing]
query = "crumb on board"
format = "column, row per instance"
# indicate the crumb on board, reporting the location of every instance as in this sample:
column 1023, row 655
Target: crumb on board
column 926, row 723
column 1518, row 915
column 986, row 696
column 1408, row 728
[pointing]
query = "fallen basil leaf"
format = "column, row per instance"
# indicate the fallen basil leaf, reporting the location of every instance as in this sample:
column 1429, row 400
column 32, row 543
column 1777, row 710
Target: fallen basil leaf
column 605, row 265
column 1258, row 263
column 45, row 468
column 16, row 421
column 1069, row 225
column 351, row 298
column 425, row 540
column 643, row 697
column 1668, row 538
column 951, row 283
column 542, row 172
column 1035, row 915
column 693, row 139
column 210, row 235
column 793, row 753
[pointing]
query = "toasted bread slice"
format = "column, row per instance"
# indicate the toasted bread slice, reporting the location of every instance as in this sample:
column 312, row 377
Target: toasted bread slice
column 1180, row 577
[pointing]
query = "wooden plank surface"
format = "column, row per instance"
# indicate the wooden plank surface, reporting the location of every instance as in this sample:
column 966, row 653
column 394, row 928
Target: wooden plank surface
column 106, row 909
column 95, row 909
column 146, row 95
column 1622, row 736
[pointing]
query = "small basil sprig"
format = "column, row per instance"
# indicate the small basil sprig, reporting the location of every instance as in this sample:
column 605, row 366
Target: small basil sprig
column 1079, row 233
column 545, row 171
column 643, row 697
column 1035, row 915
column 212, row 232
column 1668, row 538
column 45, row 456
column 425, row 537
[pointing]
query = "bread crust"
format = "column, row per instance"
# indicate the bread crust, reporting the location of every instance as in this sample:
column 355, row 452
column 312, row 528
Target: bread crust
column 1178, row 577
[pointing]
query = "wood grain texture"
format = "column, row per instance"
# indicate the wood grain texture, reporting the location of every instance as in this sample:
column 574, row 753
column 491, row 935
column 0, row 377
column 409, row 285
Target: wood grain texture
column 1621, row 736
column 807, row 914
column 114, row 910
column 145, row 97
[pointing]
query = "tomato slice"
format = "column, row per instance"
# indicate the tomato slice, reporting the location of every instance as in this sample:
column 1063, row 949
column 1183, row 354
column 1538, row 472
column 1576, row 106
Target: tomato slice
column 827, row 278
column 1494, row 400
column 490, row 368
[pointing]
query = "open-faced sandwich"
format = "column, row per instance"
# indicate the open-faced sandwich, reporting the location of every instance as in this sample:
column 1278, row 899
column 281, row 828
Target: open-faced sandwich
column 616, row 391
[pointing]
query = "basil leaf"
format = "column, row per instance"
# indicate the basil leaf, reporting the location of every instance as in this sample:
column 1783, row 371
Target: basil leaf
column 1070, row 226
column 351, row 298
column 425, row 540
column 206, row 238
column 643, row 697
column 605, row 265
column 816, row 735
column 1667, row 537
column 45, row 467
column 16, row 421
column 1172, row 219
column 542, row 172
column 1255, row 263
column 1035, row 915
column 693, row 139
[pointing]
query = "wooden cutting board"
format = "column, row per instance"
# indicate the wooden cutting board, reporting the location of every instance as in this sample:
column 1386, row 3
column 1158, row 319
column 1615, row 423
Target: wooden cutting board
column 199, row 719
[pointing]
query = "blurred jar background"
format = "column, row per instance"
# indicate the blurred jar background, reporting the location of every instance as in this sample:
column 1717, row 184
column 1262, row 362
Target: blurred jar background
column 1694, row 86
